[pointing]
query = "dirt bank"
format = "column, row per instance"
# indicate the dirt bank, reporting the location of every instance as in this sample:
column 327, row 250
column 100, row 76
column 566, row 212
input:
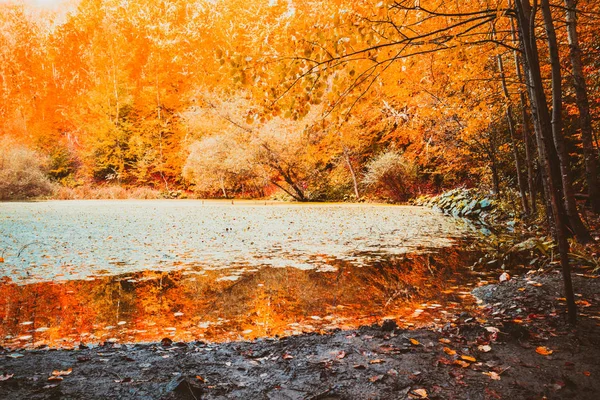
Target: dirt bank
column 518, row 347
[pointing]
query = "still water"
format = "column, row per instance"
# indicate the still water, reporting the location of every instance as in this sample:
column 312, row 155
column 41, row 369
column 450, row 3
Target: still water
column 131, row 271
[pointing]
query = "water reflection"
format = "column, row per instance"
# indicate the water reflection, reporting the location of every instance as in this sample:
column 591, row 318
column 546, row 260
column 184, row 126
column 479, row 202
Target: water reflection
column 239, row 303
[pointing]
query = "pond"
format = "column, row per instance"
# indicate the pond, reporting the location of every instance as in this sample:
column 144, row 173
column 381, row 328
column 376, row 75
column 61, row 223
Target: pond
column 131, row 271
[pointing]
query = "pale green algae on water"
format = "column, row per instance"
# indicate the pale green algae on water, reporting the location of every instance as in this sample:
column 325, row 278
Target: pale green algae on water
column 64, row 240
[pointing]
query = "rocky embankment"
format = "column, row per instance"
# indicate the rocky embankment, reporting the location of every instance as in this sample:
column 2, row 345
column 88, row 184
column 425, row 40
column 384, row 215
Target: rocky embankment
column 465, row 203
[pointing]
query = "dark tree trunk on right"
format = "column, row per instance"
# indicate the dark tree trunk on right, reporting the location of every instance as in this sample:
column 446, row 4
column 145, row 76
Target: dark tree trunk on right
column 548, row 156
column 591, row 166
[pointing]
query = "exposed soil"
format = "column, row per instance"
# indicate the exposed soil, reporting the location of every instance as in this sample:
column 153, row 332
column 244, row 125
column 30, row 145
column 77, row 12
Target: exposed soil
column 520, row 319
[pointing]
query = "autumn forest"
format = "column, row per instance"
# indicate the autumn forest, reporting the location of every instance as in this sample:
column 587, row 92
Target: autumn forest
column 318, row 100
column 486, row 110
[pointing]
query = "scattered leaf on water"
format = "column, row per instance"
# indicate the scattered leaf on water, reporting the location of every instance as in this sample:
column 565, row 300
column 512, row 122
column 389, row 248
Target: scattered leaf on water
column 6, row 377
column 287, row 356
column 201, row 379
column 544, row 351
column 55, row 378
column 15, row 355
column 504, row 277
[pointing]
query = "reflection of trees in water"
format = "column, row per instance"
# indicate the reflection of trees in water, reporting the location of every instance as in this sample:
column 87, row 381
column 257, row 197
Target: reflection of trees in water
column 267, row 302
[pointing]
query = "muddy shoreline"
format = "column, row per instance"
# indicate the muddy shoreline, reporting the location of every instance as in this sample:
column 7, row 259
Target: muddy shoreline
column 490, row 354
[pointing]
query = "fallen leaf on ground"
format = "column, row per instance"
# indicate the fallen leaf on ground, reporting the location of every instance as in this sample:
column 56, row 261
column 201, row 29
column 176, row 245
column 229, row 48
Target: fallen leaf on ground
column 444, row 361
column 341, row 354
column 376, row 378
column 587, row 373
column 201, row 379
column 445, row 341
column 544, row 351
column 418, row 394
column 376, row 361
column 492, row 375
column 6, row 377
column 491, row 393
column 414, row 341
column 50, row 386
column 449, row 351
column 468, row 358
column 287, row 356
column 62, row 373
column 504, row 277
column 15, row 355
column 463, row 364
column 55, row 378
column 484, row 348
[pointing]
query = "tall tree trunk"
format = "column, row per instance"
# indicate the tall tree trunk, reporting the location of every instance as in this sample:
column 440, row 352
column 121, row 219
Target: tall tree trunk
column 580, row 231
column 525, row 125
column 520, row 178
column 526, row 20
column 511, row 130
column 528, row 154
column 589, row 156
